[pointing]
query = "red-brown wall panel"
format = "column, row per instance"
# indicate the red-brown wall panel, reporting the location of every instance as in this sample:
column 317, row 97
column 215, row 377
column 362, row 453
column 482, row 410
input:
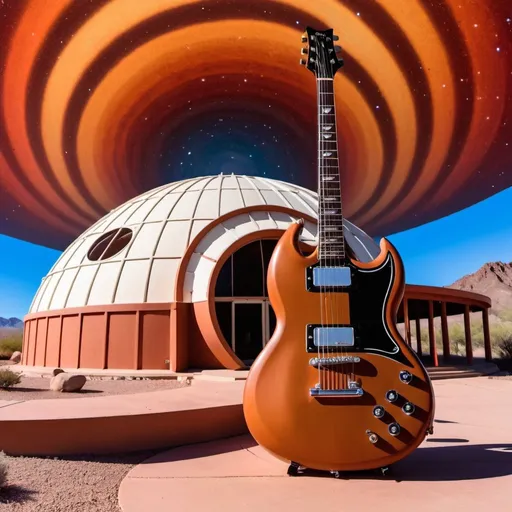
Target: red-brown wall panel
column 154, row 337
column 42, row 325
column 94, row 335
column 24, row 347
column 70, row 341
column 32, row 343
column 53, row 342
column 122, row 336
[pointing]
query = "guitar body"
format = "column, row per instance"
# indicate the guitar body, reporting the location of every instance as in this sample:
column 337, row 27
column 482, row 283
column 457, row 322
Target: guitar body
column 331, row 432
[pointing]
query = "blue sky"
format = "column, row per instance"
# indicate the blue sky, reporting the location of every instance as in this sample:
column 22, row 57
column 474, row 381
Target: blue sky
column 435, row 254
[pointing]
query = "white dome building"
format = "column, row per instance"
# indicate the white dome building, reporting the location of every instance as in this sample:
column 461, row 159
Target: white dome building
column 159, row 282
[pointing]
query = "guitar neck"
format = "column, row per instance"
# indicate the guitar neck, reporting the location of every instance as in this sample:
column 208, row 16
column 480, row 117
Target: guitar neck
column 331, row 240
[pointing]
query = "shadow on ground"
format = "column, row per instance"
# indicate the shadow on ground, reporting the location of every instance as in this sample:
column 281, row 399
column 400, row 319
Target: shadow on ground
column 432, row 463
column 16, row 494
column 462, row 462
column 48, row 391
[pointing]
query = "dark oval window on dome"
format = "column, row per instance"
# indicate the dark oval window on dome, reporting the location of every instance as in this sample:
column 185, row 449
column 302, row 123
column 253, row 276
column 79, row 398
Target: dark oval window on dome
column 109, row 244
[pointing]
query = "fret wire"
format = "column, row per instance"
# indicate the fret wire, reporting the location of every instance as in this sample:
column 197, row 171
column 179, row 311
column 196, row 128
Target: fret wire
column 331, row 243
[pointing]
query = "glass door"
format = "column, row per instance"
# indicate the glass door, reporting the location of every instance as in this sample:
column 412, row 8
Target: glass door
column 248, row 329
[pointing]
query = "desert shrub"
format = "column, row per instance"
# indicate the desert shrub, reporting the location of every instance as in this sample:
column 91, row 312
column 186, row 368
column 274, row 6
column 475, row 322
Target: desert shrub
column 505, row 348
column 3, row 469
column 10, row 345
column 9, row 378
column 505, row 315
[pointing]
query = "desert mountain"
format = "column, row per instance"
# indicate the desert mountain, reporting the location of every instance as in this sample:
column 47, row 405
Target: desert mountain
column 493, row 280
column 16, row 323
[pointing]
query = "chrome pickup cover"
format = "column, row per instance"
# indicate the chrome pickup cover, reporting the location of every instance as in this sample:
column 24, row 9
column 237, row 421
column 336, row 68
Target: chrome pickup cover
column 333, row 336
column 329, row 361
column 331, row 276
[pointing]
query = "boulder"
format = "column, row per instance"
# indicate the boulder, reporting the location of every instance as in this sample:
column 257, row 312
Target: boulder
column 57, row 371
column 16, row 357
column 66, row 382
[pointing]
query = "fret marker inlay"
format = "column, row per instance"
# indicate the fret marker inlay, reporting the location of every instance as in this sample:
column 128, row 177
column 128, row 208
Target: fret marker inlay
column 326, row 110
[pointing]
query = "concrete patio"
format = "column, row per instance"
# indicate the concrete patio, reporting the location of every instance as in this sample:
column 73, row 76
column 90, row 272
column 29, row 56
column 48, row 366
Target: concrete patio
column 466, row 465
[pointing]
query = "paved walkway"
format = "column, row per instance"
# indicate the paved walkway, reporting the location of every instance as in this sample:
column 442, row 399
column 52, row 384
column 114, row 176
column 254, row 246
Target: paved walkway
column 465, row 465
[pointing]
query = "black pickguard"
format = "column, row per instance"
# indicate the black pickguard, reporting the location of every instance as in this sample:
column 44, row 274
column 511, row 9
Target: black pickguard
column 369, row 294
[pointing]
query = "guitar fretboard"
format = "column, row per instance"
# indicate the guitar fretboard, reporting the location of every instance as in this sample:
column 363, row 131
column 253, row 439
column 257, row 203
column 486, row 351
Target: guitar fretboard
column 331, row 240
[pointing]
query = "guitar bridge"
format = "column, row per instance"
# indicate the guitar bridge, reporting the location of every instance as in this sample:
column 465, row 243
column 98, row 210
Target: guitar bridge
column 332, row 361
column 354, row 390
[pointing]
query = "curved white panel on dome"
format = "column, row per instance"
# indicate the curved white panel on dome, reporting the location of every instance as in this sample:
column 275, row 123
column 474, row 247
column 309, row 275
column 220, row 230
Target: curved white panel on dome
column 222, row 237
column 164, row 223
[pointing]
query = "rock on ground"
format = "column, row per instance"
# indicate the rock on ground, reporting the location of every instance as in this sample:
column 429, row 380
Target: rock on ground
column 67, row 382
column 16, row 357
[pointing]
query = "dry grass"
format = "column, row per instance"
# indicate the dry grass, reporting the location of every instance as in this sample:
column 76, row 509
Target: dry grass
column 3, row 469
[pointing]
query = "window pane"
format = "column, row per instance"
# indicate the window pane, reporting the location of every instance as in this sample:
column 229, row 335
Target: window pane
column 223, row 287
column 248, row 271
column 268, row 249
column 223, row 310
column 248, row 331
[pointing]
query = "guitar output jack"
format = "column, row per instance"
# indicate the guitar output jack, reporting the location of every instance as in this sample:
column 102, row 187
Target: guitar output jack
column 372, row 437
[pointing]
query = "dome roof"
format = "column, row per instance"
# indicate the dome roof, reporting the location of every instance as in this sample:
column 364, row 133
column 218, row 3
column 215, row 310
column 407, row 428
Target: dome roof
column 133, row 253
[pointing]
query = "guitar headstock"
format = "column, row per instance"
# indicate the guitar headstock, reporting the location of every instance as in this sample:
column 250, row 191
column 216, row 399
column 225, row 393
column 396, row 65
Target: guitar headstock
column 322, row 59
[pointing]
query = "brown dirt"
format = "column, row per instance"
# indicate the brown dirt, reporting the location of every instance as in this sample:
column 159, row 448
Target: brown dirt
column 78, row 484
column 37, row 388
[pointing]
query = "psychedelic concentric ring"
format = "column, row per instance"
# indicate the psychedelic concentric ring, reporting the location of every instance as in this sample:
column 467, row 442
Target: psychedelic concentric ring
column 103, row 100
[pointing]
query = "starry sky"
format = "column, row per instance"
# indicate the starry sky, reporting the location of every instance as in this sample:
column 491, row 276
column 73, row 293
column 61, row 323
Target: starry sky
column 103, row 100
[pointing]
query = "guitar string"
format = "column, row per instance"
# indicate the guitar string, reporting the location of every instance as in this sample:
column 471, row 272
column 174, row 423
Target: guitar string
column 341, row 256
column 319, row 251
column 324, row 156
column 330, row 224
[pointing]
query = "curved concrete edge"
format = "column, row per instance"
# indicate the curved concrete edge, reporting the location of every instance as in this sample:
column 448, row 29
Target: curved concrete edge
column 464, row 465
column 123, row 423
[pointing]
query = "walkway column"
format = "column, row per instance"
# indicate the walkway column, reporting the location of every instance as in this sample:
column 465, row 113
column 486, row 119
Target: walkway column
column 419, row 350
column 444, row 332
column 487, row 336
column 467, row 331
column 432, row 333
column 407, row 322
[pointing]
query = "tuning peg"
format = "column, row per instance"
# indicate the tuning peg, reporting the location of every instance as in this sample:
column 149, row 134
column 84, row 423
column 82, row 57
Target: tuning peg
column 337, row 48
column 335, row 38
column 303, row 51
column 304, row 39
column 302, row 62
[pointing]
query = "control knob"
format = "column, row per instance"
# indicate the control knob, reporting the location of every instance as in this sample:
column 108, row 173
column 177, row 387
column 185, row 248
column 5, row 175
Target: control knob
column 394, row 429
column 408, row 408
column 405, row 376
column 391, row 396
column 378, row 411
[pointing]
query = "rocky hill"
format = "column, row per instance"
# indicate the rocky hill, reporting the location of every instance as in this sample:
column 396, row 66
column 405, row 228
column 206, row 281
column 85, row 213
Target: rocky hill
column 12, row 322
column 493, row 280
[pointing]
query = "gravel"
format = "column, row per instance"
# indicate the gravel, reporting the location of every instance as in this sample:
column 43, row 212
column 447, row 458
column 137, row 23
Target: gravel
column 86, row 483
column 34, row 388
column 77, row 484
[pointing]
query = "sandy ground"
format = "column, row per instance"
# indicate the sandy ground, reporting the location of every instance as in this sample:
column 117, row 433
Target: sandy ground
column 77, row 484
column 34, row 388
column 86, row 484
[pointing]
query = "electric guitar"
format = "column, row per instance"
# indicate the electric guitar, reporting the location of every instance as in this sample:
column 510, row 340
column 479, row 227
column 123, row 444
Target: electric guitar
column 336, row 388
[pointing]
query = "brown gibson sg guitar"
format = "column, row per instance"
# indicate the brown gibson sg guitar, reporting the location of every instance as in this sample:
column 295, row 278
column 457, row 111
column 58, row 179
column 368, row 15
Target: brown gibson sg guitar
column 336, row 388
